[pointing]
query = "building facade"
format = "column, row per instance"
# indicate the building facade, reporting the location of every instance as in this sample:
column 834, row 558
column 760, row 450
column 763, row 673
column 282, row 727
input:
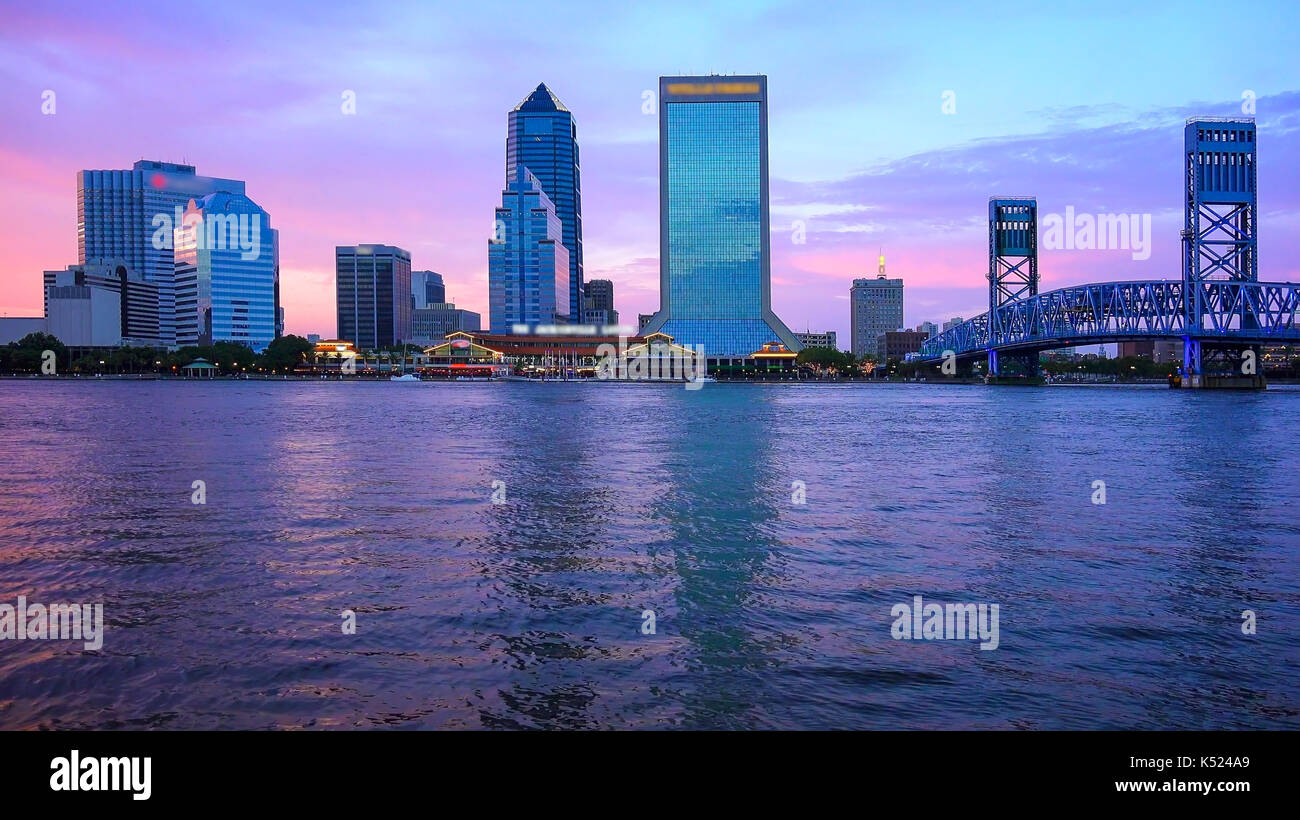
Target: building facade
column 876, row 307
column 431, row 324
column 930, row 329
column 826, row 339
column 543, row 137
column 951, row 323
column 130, row 215
column 72, row 302
column 427, row 288
column 373, row 292
column 226, row 278
column 715, row 278
column 896, row 344
column 528, row 264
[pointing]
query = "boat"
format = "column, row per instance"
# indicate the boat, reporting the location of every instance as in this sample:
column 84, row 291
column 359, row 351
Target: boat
column 406, row 377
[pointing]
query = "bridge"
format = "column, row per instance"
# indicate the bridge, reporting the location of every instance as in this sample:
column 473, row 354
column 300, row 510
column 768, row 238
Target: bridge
column 1219, row 309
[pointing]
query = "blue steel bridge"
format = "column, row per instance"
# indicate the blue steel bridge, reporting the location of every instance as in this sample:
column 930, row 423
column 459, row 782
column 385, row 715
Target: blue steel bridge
column 1218, row 308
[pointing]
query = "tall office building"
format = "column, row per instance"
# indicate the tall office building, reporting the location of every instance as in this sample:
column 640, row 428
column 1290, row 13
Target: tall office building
column 715, row 276
column 373, row 290
column 875, row 307
column 930, row 329
column 543, row 138
column 528, row 264
column 120, row 217
column 427, row 288
column 951, row 323
column 226, row 276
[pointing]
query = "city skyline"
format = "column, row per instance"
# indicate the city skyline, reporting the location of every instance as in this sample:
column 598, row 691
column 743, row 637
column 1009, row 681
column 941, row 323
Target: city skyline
column 862, row 165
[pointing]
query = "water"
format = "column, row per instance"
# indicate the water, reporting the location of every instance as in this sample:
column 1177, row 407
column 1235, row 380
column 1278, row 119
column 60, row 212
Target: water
column 323, row 497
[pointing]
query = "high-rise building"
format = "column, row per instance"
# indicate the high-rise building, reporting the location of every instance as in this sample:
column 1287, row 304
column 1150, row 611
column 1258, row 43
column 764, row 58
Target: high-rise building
column 130, row 216
column 951, row 323
column 373, row 291
column 528, row 264
column 543, row 138
column 427, row 288
column 226, row 276
column 875, row 307
column 810, row 339
column 715, row 275
column 930, row 329
column 133, row 317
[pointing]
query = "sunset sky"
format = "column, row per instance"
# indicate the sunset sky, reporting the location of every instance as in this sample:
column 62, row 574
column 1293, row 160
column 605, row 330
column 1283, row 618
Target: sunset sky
column 1081, row 105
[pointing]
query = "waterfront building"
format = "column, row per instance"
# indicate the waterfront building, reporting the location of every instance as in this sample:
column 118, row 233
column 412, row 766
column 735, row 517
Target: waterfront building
column 101, row 304
column 432, row 323
column 427, row 288
column 810, row 339
column 598, row 303
column 928, row 328
column 715, row 282
column 130, row 215
column 528, row 264
column 875, row 307
column 373, row 295
column 543, row 137
column 227, row 273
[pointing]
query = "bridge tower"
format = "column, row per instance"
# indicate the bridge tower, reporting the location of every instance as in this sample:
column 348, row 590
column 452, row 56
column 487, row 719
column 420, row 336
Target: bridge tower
column 1013, row 263
column 1220, row 218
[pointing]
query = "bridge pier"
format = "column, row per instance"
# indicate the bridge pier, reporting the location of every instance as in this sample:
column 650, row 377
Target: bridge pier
column 1220, row 367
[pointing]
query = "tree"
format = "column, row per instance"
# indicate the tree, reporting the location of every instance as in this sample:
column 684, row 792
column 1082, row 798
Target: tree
column 285, row 353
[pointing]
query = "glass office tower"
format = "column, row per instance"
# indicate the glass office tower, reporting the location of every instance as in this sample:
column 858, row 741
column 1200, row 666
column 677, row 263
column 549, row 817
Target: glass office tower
column 226, row 273
column 372, row 287
column 119, row 213
column 528, row 265
column 715, row 280
column 543, row 138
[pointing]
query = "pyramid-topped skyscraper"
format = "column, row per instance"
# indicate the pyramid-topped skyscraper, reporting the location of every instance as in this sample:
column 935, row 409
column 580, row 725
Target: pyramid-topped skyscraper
column 543, row 138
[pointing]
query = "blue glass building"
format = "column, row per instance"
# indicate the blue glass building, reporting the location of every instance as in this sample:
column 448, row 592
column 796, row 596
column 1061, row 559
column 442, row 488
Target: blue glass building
column 543, row 138
column 528, row 264
column 119, row 214
column 715, row 279
column 226, row 275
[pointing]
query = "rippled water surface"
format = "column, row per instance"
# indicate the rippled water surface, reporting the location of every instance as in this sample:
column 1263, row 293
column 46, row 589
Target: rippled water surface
column 621, row 498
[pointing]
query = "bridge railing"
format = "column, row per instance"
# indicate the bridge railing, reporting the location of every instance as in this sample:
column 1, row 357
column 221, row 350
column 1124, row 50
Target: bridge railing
column 1263, row 312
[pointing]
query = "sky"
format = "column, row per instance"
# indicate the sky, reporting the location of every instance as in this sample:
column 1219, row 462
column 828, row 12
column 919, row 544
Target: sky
column 891, row 124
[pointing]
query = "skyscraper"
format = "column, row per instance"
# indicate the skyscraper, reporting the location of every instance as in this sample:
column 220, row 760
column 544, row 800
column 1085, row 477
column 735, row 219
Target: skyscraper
column 427, row 288
column 226, row 273
column 875, row 307
column 373, row 290
column 715, row 278
column 120, row 214
column 543, row 138
column 528, row 264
